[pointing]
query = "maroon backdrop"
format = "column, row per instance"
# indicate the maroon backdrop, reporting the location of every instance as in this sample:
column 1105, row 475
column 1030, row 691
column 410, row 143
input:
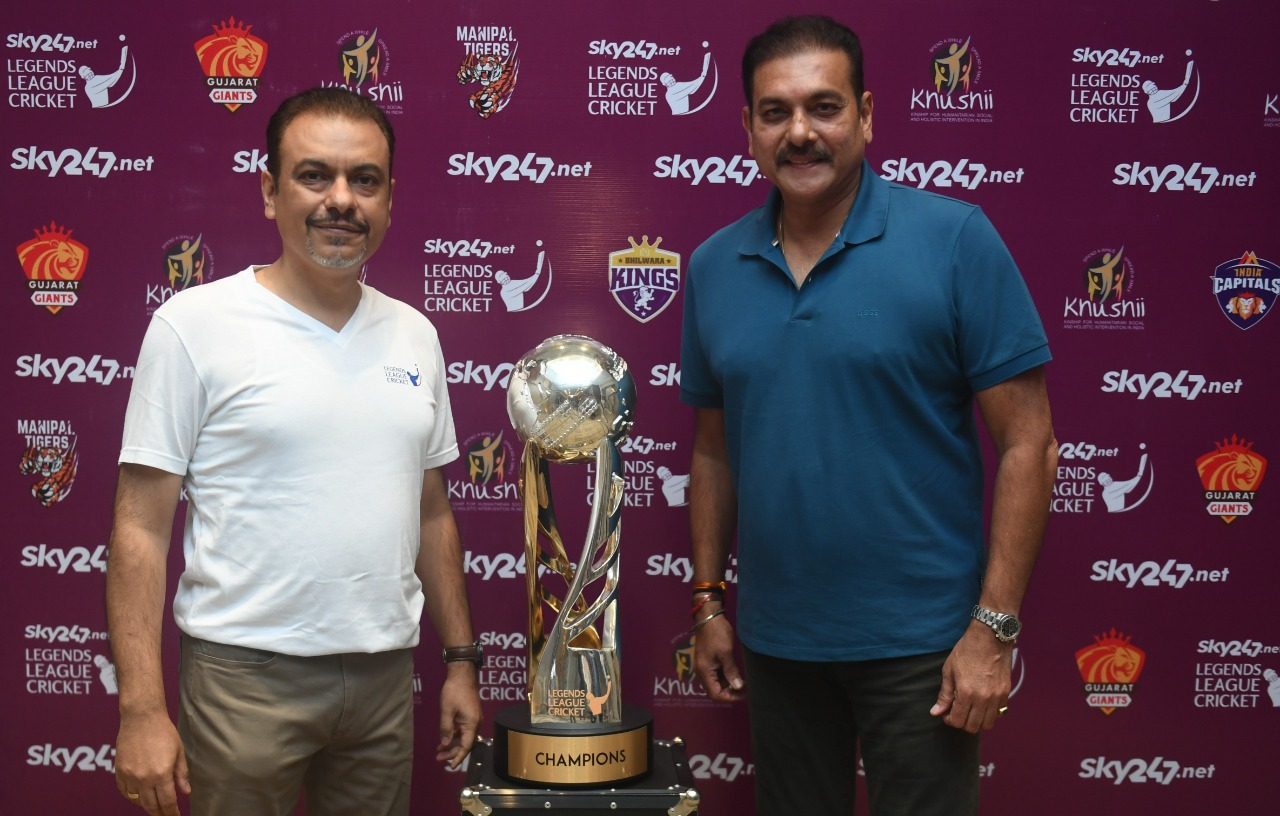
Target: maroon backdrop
column 1143, row 679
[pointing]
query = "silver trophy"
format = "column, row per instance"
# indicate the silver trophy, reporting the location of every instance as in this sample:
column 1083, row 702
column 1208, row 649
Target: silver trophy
column 571, row 399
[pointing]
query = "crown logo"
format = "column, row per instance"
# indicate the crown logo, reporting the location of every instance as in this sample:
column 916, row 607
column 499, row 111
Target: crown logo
column 52, row 234
column 232, row 28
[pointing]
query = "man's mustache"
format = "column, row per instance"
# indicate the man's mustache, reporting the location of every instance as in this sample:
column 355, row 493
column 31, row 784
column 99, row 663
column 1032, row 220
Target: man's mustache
column 815, row 153
column 331, row 221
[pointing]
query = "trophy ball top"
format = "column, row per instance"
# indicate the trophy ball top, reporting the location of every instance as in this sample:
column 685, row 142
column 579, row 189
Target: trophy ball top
column 570, row 394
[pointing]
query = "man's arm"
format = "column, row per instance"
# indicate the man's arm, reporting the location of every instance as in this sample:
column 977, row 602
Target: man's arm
column 976, row 677
column 439, row 568
column 150, row 761
column 713, row 513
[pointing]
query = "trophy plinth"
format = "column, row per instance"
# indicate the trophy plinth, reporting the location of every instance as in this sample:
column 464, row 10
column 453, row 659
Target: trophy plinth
column 572, row 754
column 571, row 401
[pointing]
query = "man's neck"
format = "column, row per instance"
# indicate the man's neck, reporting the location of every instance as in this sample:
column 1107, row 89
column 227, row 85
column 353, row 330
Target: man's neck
column 805, row 230
column 329, row 295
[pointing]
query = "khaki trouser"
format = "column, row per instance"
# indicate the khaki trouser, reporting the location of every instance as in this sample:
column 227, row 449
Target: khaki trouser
column 259, row 727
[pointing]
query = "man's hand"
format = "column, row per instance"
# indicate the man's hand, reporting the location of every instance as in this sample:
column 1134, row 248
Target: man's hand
column 975, row 681
column 713, row 661
column 460, row 714
column 151, row 765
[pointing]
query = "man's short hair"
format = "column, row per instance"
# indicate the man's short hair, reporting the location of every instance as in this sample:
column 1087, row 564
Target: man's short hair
column 798, row 35
column 336, row 102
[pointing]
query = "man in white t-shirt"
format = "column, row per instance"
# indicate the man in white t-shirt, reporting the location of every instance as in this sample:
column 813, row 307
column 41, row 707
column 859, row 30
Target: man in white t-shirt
column 306, row 415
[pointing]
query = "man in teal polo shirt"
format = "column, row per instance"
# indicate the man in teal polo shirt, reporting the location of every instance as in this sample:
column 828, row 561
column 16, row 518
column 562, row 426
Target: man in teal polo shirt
column 835, row 342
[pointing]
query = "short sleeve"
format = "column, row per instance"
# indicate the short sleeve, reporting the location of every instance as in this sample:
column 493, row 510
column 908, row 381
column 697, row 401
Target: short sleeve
column 698, row 386
column 167, row 403
column 1000, row 333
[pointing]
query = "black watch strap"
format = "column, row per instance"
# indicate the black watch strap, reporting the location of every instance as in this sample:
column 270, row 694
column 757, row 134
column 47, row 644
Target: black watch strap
column 471, row 653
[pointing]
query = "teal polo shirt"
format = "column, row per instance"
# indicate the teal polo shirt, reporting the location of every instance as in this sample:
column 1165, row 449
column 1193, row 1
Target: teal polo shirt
column 849, row 417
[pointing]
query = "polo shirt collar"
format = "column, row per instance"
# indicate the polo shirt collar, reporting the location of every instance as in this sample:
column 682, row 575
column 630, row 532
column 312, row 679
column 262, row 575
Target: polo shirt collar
column 866, row 220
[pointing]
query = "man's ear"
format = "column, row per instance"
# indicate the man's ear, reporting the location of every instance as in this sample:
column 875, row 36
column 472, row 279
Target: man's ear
column 268, row 195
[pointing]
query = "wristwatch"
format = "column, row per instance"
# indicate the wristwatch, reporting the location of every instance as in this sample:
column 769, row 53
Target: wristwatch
column 1006, row 627
column 471, row 653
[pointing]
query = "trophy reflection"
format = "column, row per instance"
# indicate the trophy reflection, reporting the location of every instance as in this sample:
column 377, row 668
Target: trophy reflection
column 571, row 400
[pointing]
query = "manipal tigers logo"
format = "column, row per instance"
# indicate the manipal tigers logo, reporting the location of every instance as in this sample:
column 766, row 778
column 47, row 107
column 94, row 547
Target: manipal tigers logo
column 1110, row 668
column 1231, row 475
column 55, row 471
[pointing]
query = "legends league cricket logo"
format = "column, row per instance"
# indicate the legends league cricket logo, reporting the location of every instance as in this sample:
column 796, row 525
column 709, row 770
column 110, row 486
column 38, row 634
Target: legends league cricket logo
column 571, row 400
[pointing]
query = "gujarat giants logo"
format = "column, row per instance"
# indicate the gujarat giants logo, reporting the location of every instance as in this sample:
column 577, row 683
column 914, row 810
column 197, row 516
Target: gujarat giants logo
column 1110, row 668
column 1231, row 475
column 54, row 264
column 232, row 59
column 644, row 279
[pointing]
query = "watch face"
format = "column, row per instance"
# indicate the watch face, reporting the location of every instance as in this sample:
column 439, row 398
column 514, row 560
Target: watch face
column 1009, row 628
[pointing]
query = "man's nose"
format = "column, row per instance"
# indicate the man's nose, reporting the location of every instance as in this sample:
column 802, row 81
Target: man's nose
column 799, row 129
column 339, row 197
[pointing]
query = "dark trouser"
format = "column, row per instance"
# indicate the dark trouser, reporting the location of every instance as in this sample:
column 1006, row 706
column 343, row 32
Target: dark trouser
column 809, row 719
column 258, row 727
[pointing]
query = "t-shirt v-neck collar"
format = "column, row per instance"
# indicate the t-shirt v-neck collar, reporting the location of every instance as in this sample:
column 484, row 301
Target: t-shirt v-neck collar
column 305, row 321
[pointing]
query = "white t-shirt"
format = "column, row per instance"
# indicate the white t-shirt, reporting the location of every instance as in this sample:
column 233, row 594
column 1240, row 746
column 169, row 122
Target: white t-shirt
column 303, row 451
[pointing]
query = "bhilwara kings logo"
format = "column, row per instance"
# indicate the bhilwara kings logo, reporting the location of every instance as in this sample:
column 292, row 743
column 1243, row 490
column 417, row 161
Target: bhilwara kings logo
column 54, row 263
column 232, row 59
column 644, row 279
column 1246, row 289
column 1231, row 475
column 1110, row 668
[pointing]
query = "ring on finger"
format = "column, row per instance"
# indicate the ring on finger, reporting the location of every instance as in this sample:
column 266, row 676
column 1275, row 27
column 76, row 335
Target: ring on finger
column 134, row 796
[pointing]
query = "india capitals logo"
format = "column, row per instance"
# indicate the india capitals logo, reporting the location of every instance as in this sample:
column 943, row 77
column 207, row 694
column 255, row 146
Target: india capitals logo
column 1110, row 668
column 1231, row 475
column 54, row 263
column 232, row 59
column 1246, row 289
column 644, row 279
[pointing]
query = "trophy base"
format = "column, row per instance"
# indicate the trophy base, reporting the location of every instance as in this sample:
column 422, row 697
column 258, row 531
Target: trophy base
column 572, row 754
